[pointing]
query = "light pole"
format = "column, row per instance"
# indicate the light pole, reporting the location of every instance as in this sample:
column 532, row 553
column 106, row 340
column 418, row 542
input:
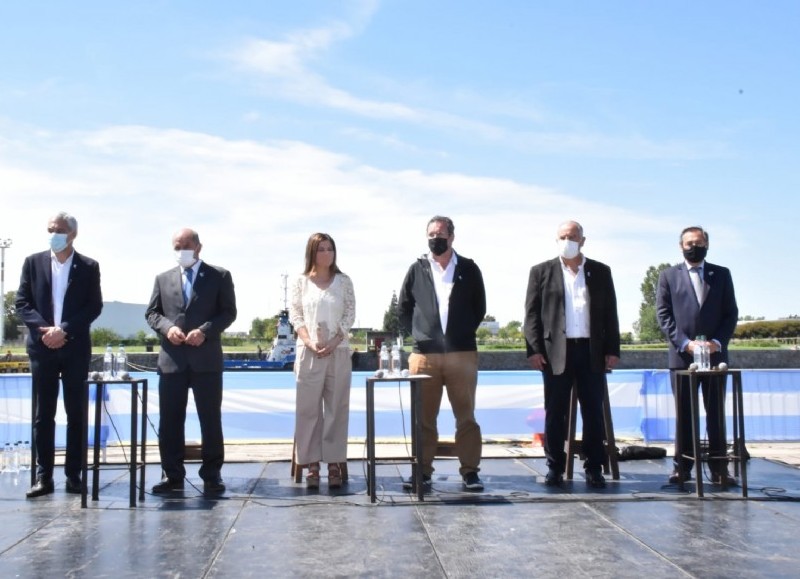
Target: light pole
column 4, row 244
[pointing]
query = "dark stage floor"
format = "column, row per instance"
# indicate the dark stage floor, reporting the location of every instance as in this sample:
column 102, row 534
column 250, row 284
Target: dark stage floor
column 267, row 526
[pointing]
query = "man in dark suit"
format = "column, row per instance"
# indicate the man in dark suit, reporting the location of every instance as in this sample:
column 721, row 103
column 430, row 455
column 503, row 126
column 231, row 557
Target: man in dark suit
column 58, row 299
column 572, row 337
column 696, row 298
column 191, row 306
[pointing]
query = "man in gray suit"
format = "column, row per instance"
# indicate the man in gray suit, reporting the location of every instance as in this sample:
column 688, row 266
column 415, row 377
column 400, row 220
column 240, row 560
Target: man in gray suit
column 191, row 306
column 572, row 337
column 696, row 298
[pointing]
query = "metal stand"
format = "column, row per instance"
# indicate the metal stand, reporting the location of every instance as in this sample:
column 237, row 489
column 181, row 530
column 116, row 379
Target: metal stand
column 134, row 463
column 719, row 380
column 415, row 382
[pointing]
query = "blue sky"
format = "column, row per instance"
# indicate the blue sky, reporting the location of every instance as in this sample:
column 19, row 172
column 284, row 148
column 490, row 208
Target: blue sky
column 258, row 123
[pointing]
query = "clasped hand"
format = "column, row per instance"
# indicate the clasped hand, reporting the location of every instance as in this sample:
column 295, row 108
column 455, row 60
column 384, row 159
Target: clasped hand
column 326, row 349
column 176, row 336
column 53, row 337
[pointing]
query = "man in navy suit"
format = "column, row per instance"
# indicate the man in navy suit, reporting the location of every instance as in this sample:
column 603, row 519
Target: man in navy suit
column 58, row 299
column 572, row 337
column 696, row 298
column 192, row 304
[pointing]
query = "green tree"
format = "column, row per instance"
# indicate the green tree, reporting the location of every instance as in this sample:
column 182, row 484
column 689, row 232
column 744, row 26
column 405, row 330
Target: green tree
column 511, row 332
column 489, row 318
column 482, row 335
column 258, row 328
column 391, row 318
column 104, row 336
column 11, row 321
column 646, row 327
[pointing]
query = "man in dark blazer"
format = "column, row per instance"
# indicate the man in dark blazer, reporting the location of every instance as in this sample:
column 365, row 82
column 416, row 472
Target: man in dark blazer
column 191, row 306
column 696, row 298
column 58, row 299
column 572, row 337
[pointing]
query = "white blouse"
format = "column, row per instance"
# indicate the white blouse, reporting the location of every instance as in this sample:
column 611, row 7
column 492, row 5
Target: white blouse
column 323, row 312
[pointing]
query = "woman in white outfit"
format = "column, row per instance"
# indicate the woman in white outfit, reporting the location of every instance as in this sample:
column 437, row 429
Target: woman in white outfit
column 322, row 312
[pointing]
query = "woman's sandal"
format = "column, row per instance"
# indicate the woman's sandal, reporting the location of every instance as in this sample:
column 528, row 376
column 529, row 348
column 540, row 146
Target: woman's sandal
column 312, row 478
column 334, row 476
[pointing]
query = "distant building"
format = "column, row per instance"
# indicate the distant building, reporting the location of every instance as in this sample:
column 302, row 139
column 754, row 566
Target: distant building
column 493, row 327
column 126, row 320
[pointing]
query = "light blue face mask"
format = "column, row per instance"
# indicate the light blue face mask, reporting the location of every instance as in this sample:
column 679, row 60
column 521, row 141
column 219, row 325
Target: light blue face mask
column 58, row 242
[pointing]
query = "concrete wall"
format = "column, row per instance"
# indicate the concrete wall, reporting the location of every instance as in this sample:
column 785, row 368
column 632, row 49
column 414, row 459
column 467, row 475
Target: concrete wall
column 516, row 360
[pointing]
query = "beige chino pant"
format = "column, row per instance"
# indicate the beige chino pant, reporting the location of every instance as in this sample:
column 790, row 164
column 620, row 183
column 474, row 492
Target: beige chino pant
column 322, row 405
column 457, row 372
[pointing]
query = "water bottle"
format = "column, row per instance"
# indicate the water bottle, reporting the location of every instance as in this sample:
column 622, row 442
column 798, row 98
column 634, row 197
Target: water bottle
column 706, row 354
column 698, row 352
column 384, row 359
column 122, row 361
column 15, row 458
column 10, row 465
column 108, row 363
column 25, row 456
column 396, row 360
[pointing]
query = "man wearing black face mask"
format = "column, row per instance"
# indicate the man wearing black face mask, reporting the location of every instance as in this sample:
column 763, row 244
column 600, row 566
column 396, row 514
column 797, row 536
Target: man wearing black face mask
column 696, row 298
column 442, row 303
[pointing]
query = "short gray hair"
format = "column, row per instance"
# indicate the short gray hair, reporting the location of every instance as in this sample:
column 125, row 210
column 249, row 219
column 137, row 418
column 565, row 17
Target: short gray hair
column 71, row 222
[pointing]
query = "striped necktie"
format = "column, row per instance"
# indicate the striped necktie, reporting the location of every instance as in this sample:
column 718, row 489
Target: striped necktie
column 187, row 287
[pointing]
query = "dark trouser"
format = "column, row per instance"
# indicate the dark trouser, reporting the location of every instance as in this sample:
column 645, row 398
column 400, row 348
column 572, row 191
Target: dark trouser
column 173, row 392
column 714, row 404
column 46, row 369
column 590, row 387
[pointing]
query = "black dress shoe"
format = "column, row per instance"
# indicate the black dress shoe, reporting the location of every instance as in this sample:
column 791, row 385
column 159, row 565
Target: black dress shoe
column 168, row 485
column 595, row 479
column 73, row 485
column 553, row 477
column 677, row 477
column 723, row 478
column 410, row 483
column 213, row 486
column 43, row 486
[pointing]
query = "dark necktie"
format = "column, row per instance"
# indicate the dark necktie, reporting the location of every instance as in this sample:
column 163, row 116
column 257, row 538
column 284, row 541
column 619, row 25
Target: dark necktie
column 187, row 287
column 696, row 275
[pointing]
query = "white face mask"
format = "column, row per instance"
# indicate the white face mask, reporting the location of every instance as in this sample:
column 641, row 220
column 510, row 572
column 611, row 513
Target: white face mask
column 58, row 242
column 185, row 257
column 568, row 249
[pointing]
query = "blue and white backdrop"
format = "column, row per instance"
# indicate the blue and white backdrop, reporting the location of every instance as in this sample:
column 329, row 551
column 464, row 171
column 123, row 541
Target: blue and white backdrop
column 259, row 406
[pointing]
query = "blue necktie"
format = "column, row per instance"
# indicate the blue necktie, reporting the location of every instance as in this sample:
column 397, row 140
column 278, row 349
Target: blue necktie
column 187, row 287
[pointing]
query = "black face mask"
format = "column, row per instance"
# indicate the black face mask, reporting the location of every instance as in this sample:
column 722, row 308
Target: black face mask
column 437, row 245
column 695, row 254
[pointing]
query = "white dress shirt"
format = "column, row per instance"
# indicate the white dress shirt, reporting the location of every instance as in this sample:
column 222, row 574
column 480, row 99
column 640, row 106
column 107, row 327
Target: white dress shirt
column 443, row 285
column 576, row 301
column 60, row 276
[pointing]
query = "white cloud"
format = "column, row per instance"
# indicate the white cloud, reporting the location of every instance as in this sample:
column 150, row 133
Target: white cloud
column 286, row 69
column 255, row 204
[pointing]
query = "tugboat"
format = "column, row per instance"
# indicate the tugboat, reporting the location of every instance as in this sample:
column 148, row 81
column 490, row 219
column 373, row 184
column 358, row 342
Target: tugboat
column 282, row 354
